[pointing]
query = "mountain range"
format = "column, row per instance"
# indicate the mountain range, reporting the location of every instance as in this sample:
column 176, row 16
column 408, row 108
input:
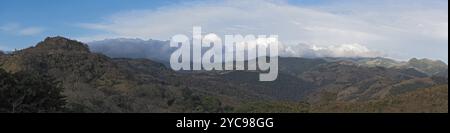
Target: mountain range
column 126, row 75
column 161, row 51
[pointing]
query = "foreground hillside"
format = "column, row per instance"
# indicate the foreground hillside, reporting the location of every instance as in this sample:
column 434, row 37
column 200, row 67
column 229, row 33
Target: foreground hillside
column 93, row 82
column 434, row 99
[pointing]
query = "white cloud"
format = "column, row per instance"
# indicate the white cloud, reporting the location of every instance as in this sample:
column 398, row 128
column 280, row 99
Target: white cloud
column 9, row 27
column 400, row 28
column 17, row 29
column 344, row 50
column 30, row 31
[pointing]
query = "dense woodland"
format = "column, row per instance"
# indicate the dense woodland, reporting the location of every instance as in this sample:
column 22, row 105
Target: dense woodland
column 24, row 92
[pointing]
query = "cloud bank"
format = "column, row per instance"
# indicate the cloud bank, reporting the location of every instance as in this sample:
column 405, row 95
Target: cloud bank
column 344, row 50
column 400, row 28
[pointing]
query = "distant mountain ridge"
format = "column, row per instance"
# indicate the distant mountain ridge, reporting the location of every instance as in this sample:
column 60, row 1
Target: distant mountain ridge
column 133, row 48
column 430, row 67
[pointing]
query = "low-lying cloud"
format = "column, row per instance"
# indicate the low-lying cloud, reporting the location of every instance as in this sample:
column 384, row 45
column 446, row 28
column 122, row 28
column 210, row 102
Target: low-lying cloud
column 344, row 50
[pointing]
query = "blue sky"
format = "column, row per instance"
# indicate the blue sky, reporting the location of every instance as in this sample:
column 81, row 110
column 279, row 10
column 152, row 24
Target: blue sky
column 59, row 17
column 399, row 29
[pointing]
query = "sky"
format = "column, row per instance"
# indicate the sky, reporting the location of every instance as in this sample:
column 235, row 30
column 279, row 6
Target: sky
column 399, row 29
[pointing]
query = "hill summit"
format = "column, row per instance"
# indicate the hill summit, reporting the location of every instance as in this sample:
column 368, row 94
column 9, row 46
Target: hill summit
column 432, row 67
column 61, row 43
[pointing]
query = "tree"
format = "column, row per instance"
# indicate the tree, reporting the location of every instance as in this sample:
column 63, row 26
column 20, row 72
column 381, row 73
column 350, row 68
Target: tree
column 27, row 92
